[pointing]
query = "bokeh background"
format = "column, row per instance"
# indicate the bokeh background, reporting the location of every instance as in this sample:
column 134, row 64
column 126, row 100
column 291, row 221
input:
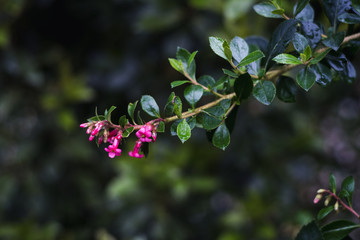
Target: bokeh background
column 59, row 59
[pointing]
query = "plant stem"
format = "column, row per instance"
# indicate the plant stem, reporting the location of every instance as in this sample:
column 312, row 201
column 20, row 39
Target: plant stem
column 194, row 82
column 199, row 109
column 350, row 209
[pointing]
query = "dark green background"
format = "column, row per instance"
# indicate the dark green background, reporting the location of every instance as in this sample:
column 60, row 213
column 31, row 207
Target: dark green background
column 59, row 59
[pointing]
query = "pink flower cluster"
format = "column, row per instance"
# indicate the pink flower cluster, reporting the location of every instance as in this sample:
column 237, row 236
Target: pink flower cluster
column 146, row 133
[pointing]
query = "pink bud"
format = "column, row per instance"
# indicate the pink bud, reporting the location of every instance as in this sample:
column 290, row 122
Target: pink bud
column 84, row 125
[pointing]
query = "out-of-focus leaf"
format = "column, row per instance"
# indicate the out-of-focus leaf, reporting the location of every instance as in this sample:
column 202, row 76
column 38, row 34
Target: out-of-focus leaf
column 265, row 9
column 307, row 14
column 334, row 8
column 264, row 92
column 324, row 212
column 332, row 183
column 300, row 5
column 161, row 127
column 286, row 89
column 349, row 18
column 221, row 137
column 348, row 185
column 339, row 229
column 310, row 231
column 334, row 41
column 243, row 86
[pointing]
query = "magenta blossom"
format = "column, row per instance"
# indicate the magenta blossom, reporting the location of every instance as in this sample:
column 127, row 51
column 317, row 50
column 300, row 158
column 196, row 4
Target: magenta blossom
column 135, row 153
column 113, row 151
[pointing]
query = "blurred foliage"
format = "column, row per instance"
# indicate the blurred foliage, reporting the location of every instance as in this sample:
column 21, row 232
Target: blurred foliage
column 61, row 58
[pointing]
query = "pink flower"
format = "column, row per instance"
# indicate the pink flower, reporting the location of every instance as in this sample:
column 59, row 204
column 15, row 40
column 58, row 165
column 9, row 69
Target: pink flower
column 144, row 133
column 113, row 151
column 135, row 152
column 84, row 125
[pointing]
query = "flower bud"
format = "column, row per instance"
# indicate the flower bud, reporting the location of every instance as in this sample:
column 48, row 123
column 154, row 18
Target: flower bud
column 336, row 206
column 321, row 190
column 317, row 198
column 327, row 200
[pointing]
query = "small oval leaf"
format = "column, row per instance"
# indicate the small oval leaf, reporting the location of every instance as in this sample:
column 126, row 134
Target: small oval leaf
column 183, row 131
column 221, row 137
column 149, row 105
column 264, row 92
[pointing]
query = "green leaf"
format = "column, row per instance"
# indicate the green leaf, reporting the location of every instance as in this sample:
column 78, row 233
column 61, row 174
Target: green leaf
column 280, row 39
column 322, row 73
column 264, row 92
column 332, row 183
column 305, row 79
column 221, row 81
column 207, row 81
column 318, row 57
column 183, row 131
column 227, row 51
column 265, row 9
column 177, row 65
column 285, row 58
column 178, row 107
column 278, row 11
column 123, row 121
column 300, row 6
column 193, row 93
column 243, row 87
column 300, row 42
column 286, row 89
column 139, row 119
column 131, row 110
column 252, row 57
column 127, row 132
column 230, row 73
column 221, row 137
column 349, row 18
column 339, row 229
column 178, row 83
column 348, row 185
column 161, row 127
column 334, row 41
column 307, row 52
column 149, row 105
column 324, row 212
column 191, row 121
column 211, row 118
column 184, row 56
column 108, row 114
column 169, row 106
column 191, row 58
column 239, row 48
column 216, row 45
column 310, row 231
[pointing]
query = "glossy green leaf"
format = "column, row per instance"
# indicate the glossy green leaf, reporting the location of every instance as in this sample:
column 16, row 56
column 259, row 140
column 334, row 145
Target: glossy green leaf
column 278, row 11
column 264, row 92
column 191, row 121
column 334, row 41
column 308, row 52
column 178, row 83
column 320, row 56
column 211, row 118
column 332, row 183
column 221, row 137
column 265, row 9
column 227, row 51
column 191, row 58
column 285, row 58
column 131, row 110
column 207, row 81
column 123, row 121
column 286, row 89
column 324, row 212
column 300, row 42
column 243, row 87
column 177, row 65
column 339, row 229
column 216, row 45
column 221, row 81
column 169, row 106
column 149, row 105
column 193, row 93
column 183, row 131
column 178, row 107
column 252, row 57
column 300, row 5
column 305, row 79
column 280, row 39
column 239, row 48
column 310, row 231
column 322, row 73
